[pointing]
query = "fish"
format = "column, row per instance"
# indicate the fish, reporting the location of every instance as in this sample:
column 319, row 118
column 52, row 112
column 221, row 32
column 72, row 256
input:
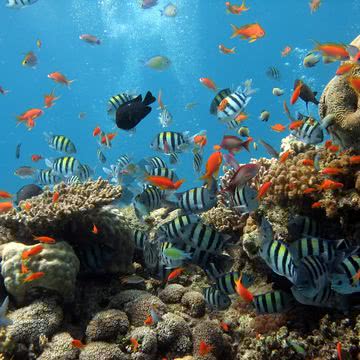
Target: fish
column 296, row 124
column 354, row 83
column 60, row 143
column 243, row 292
column 175, row 273
column 242, row 175
column 204, row 348
column 3, row 91
column 316, row 205
column 90, row 39
column 148, row 200
column 345, row 278
column 100, row 155
column 275, row 301
column 147, row 4
column 297, row 347
column 49, row 100
column 170, row 10
column 55, row 197
column 344, row 68
column 60, row 78
column 82, row 115
column 170, row 142
column 244, row 131
column 44, row 239
column 278, row 127
column 165, row 118
column 310, row 60
column 306, row 94
column 27, row 191
column 163, row 172
column 47, row 177
column 31, row 252
column 264, row 188
column 64, row 166
column 25, row 172
column 149, row 321
column 245, row 199
column 332, row 171
column 31, row 114
column 234, row 144
column 19, row 4
column 277, row 91
column 284, row 156
column 286, row 51
column 333, row 50
column 139, row 238
column 209, row 83
column 6, row 206
column 30, row 60
column 4, row 321
column 156, row 162
column 134, row 344
column 158, row 63
column 330, row 185
column 314, row 5
column 17, row 151
column 85, row 172
column 224, row 326
column 212, row 167
column 95, row 230
column 226, row 283
column 224, row 50
column 164, row 183
column 339, row 350
column 355, row 159
column 38, row 43
column 306, row 226
column 273, row 73
column 190, row 105
column 172, row 229
column 235, row 9
column 295, row 95
column 34, row 276
column 251, row 32
column 118, row 100
column 271, row 151
column 197, row 161
column 221, row 95
column 264, row 115
column 155, row 315
column 77, row 344
column 216, row 299
column 132, row 280
column 174, row 253
column 129, row 114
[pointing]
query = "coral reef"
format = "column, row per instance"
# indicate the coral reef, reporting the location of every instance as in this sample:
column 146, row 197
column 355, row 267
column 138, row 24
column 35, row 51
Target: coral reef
column 172, row 293
column 194, row 304
column 102, row 351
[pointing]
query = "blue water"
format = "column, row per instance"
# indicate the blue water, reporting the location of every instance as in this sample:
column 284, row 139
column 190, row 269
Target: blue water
column 130, row 34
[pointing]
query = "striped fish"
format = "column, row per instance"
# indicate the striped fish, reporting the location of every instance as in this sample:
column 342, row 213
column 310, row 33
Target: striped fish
column 166, row 260
column 122, row 162
column 60, row 143
column 273, row 302
column 161, row 272
column 245, row 199
column 156, row 162
column 170, row 142
column 19, row 4
column 303, row 226
column 148, row 200
column 72, row 180
column 47, row 177
column 64, row 166
column 226, row 282
column 172, row 229
column 197, row 161
column 220, row 96
column 100, row 155
column 344, row 280
column 117, row 100
column 273, row 73
column 232, row 124
column 85, row 172
column 216, row 299
column 174, row 158
column 311, row 275
column 279, row 258
column 151, row 254
column 310, row 132
column 165, row 172
column 139, row 238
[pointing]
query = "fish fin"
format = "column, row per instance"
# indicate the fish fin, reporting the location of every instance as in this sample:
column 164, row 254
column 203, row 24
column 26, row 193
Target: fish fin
column 235, row 30
column 49, row 162
column 149, row 98
column 138, row 98
column 253, row 39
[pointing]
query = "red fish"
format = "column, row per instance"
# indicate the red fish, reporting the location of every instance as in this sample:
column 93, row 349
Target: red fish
column 330, row 185
column 49, row 100
column 234, row 144
column 77, row 343
column 212, row 166
column 31, row 252
column 175, row 273
column 107, row 138
column 286, row 51
column 235, row 9
column 354, row 159
column 208, row 83
column 149, row 321
column 295, row 95
column 243, row 292
column 200, row 140
column 204, row 348
column 278, row 127
column 24, row 269
column 45, row 239
column 334, row 148
column 309, row 191
column 250, row 31
column 332, row 171
column 223, row 49
column 287, row 111
column 31, row 114
column 284, row 156
column 308, row 162
column 95, row 230
column 96, row 131
column 164, row 183
column 354, row 82
column 60, row 78
column 264, row 188
column 134, row 344
column 316, row 205
column 55, row 197
column 337, row 51
column 36, row 158
column 5, row 206
column 34, row 276
column 296, row 124
column 5, row 195
column 224, row 326
column 241, row 117
column 344, row 68
column 27, row 206
column 338, row 350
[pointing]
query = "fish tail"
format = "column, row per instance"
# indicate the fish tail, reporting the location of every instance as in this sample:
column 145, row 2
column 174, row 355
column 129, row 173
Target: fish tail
column 178, row 183
column 235, row 31
column 233, row 50
column 69, row 82
column 149, row 99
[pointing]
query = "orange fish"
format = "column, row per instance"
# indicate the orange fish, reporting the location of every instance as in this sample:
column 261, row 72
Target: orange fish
column 330, row 185
column 308, row 162
column 27, row 206
column 31, row 114
column 134, row 344
column 217, row 147
column 338, row 350
column 287, row 111
column 208, row 83
column 5, row 206
column 5, row 195
column 327, row 144
column 200, row 140
column 241, row 117
column 354, row 159
column 77, row 343
column 236, row 9
column 95, row 230
column 212, row 166
column 204, row 348
column 332, row 171
column 284, row 156
column 334, row 148
column 286, row 51
column 96, row 131
column 263, row 189
column 243, row 292
column 36, row 158
column 159, row 100
column 55, row 197
column 107, row 138
column 164, row 183
column 175, row 273
column 224, row 50
column 337, row 51
column 295, row 95
column 316, row 205
column 224, row 326
column 49, row 100
column 223, row 104
column 45, row 239
column 309, row 191
column 344, row 68
column 31, row 252
column 355, row 83
column 149, row 321
column 34, row 276
column 314, row 5
column 356, row 277
column 24, row 269
column 30, row 124
column 251, row 31
column 278, row 127
column 60, row 78
column 296, row 124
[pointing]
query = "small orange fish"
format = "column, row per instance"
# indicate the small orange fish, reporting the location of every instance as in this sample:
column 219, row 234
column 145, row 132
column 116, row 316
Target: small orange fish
column 224, row 50
column 31, row 114
column 208, row 83
column 30, row 124
column 134, row 344
column 316, row 205
column 236, row 9
column 77, row 343
column 36, row 158
column 175, row 273
column 295, row 95
column 333, row 50
column 314, row 5
column 96, row 131
column 5, row 206
column 224, row 326
column 34, row 276
column 27, row 206
column 223, row 104
column 338, row 350
column 252, row 32
column 296, row 124
column 5, row 195
column 55, row 197
column 286, row 51
column 31, row 252
column 95, row 230
column 149, row 321
column 212, row 166
column 24, row 269
column 354, row 159
column 241, row 117
column 204, row 348
column 278, row 127
column 284, row 156
column 309, row 191
column 159, row 100
column 45, row 239
column 356, row 277
column 200, row 140
column 308, row 162
column 354, row 82
column 263, row 189
column 60, row 78
column 344, row 68
column 332, row 171
column 327, row 144
column 243, row 292
column 334, row 148
column 330, row 185
column 49, row 100
column 107, row 138
column 217, row 147
column 164, row 183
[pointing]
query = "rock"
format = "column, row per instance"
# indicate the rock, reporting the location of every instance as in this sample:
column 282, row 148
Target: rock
column 43, row 317
column 107, row 325
column 172, row 293
column 60, row 347
column 194, row 303
column 121, row 298
column 174, row 335
column 148, row 348
column 102, row 351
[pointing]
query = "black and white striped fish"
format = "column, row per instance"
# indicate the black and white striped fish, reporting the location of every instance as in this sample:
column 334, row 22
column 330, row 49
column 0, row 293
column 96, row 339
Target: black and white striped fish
column 301, row 225
column 197, row 161
column 73, row 180
column 151, row 254
column 216, row 299
column 276, row 301
column 226, row 282
column 47, row 177
column 174, row 158
column 64, row 166
column 148, row 200
column 19, row 4
column 172, row 229
column 165, row 118
column 117, row 100
column 220, row 96
column 245, row 199
column 165, row 172
column 60, row 143
column 345, row 279
column 100, row 155
column 139, row 238
column 85, row 172
column 170, row 142
column 273, row 73
column 156, row 162
column 166, row 260
column 122, row 162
